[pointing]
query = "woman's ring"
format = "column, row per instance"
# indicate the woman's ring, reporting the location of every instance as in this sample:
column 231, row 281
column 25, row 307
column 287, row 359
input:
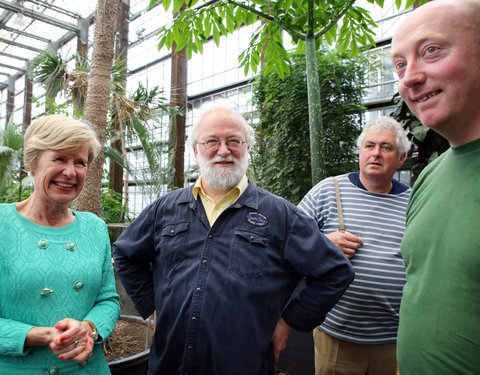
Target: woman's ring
column 76, row 343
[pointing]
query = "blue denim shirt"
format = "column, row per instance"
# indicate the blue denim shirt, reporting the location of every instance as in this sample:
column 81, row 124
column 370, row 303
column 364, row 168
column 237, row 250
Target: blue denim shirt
column 219, row 291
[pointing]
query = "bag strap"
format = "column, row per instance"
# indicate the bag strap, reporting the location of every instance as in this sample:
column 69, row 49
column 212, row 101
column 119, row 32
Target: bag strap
column 341, row 224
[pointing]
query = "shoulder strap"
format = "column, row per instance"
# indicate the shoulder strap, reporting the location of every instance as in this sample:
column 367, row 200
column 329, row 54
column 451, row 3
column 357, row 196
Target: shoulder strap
column 341, row 224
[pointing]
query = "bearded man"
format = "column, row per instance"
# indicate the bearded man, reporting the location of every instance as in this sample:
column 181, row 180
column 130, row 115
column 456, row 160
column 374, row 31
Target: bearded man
column 218, row 262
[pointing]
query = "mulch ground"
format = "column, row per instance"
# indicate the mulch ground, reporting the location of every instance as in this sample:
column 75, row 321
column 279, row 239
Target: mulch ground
column 128, row 338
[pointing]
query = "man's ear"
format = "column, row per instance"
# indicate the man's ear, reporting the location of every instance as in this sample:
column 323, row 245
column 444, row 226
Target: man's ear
column 402, row 159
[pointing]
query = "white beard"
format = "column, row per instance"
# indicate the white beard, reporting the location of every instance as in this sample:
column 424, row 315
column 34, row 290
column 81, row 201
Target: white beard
column 222, row 178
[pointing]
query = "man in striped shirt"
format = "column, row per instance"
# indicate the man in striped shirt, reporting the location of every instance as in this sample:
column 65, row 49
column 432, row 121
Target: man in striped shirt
column 359, row 335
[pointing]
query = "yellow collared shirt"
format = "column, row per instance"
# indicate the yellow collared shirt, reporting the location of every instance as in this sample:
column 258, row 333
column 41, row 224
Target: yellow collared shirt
column 212, row 209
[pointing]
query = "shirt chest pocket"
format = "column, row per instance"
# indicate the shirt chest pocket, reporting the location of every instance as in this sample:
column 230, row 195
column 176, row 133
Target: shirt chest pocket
column 173, row 243
column 249, row 253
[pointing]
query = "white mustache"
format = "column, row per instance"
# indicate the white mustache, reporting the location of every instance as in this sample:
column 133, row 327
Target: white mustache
column 219, row 159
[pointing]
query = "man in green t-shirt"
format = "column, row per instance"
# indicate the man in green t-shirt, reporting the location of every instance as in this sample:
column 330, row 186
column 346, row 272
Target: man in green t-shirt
column 436, row 53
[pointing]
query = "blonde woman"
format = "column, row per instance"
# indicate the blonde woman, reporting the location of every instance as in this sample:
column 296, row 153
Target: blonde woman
column 58, row 299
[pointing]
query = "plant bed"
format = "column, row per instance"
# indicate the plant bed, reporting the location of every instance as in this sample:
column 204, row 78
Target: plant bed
column 128, row 347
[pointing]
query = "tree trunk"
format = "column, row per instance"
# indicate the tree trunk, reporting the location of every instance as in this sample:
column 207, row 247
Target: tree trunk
column 118, row 128
column 178, row 98
column 315, row 119
column 97, row 102
column 82, row 56
column 27, row 120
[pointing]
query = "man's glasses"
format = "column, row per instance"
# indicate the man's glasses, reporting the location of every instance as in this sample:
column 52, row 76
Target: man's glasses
column 213, row 144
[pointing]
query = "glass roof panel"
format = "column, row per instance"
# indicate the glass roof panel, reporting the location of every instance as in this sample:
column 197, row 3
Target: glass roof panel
column 28, row 27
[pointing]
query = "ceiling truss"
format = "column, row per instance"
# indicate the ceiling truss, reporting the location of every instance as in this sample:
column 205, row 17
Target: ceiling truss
column 30, row 27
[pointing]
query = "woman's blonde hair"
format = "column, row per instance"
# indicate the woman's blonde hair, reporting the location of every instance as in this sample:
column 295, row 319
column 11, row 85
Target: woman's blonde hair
column 56, row 132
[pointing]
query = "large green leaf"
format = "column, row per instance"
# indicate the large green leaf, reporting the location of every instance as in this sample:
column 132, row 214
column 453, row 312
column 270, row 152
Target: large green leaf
column 301, row 19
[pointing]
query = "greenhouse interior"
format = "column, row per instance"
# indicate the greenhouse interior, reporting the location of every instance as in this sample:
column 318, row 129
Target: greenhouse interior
column 46, row 48
column 131, row 78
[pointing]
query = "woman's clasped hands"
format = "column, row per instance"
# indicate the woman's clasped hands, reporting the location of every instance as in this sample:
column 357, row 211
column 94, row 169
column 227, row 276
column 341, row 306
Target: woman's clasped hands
column 71, row 340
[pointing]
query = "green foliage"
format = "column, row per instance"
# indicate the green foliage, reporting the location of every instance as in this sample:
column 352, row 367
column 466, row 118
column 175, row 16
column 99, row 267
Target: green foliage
column 137, row 115
column 51, row 108
column 398, row 3
column 301, row 19
column 112, row 207
column 113, row 211
column 12, row 191
column 307, row 22
column 143, row 113
column 50, row 71
column 10, row 153
column 281, row 155
column 409, row 3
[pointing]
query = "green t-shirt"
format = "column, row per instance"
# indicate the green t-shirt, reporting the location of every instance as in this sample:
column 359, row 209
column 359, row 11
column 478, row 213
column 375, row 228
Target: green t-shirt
column 439, row 331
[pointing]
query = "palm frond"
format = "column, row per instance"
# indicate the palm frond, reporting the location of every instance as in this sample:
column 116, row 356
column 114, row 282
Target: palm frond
column 50, row 71
column 113, row 154
column 10, row 147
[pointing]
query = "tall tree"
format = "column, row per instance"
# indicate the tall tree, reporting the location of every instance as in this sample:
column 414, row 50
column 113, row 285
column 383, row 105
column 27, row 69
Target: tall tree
column 280, row 156
column 308, row 23
column 118, row 127
column 178, row 99
column 97, row 101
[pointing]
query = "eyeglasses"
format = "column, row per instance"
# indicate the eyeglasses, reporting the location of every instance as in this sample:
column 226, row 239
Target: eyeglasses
column 213, row 144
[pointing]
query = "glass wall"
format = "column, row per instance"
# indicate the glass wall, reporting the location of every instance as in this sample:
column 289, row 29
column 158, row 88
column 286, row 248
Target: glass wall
column 213, row 75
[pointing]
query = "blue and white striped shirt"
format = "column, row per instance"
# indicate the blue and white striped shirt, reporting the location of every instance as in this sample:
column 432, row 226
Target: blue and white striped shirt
column 368, row 311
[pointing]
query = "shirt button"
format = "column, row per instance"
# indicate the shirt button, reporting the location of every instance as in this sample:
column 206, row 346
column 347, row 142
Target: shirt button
column 204, row 261
column 189, row 347
column 194, row 318
column 210, row 236
column 198, row 290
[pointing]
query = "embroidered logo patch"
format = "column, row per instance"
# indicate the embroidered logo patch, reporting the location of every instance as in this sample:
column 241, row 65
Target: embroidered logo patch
column 257, row 219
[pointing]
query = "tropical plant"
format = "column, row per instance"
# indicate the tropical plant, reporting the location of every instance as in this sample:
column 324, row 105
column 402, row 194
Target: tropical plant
column 141, row 116
column 136, row 117
column 10, row 152
column 112, row 207
column 51, row 71
column 113, row 212
column 281, row 161
column 309, row 23
column 13, row 192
